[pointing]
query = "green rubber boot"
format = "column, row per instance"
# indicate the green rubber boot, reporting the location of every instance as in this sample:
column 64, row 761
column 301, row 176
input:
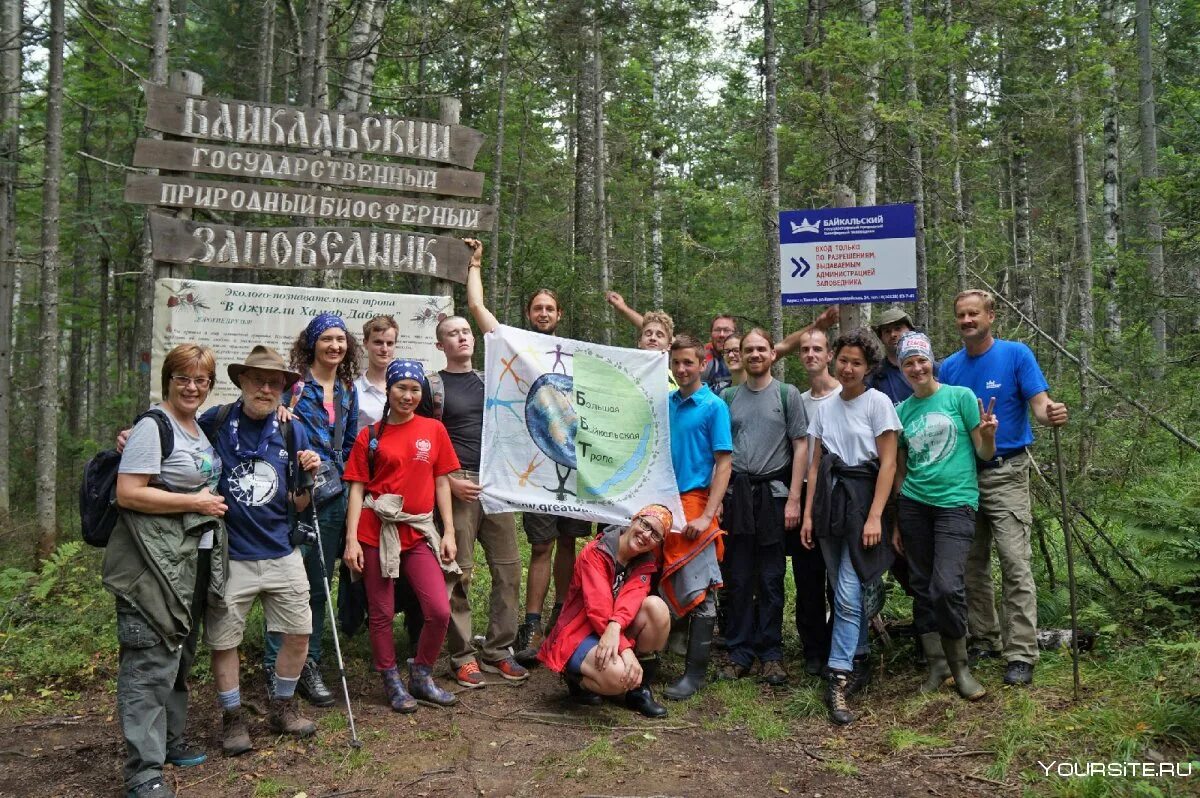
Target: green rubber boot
column 939, row 671
column 956, row 658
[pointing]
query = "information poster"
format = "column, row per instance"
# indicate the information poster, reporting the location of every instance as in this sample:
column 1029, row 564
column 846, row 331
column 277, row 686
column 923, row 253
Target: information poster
column 848, row 255
column 232, row 318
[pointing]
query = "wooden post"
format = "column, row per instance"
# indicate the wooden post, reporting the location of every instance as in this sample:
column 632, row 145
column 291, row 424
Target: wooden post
column 850, row 317
column 450, row 110
column 188, row 83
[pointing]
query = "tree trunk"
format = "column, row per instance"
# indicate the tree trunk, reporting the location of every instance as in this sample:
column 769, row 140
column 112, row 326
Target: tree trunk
column 916, row 166
column 1112, row 173
column 585, row 147
column 104, row 387
column 956, row 182
column 1083, row 230
column 1023, row 282
column 600, row 241
column 144, row 322
column 498, row 160
column 362, row 43
column 1148, row 144
column 868, row 168
column 47, row 452
column 657, row 152
column 76, row 362
column 516, row 213
column 10, row 141
column 770, row 177
column 266, row 50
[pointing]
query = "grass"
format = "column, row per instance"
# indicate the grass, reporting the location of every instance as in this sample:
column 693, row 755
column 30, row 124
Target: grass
column 904, row 739
column 267, row 787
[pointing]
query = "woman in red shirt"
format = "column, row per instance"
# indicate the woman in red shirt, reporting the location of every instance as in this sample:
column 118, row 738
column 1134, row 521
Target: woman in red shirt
column 610, row 630
column 397, row 469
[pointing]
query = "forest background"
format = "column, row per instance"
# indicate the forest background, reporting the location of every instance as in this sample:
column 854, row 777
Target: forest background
column 1052, row 148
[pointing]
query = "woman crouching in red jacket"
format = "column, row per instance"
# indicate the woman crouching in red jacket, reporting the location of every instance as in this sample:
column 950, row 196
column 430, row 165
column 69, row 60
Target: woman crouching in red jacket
column 610, row 630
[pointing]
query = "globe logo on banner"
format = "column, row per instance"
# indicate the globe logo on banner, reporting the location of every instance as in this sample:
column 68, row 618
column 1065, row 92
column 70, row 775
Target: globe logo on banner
column 848, row 255
column 574, row 429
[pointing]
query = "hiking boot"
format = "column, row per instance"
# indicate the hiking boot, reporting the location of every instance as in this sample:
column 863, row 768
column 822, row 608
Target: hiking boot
column 835, row 697
column 529, row 640
column 731, row 671
column 283, row 717
column 773, row 673
column 580, row 694
column 312, row 687
column 939, row 671
column 508, row 668
column 398, row 697
column 814, row 666
column 978, row 651
column 182, row 755
column 640, row 699
column 860, row 678
column 956, row 660
column 1018, row 673
column 235, row 736
column 555, row 611
column 469, row 676
column 699, row 650
column 423, row 688
column 151, row 789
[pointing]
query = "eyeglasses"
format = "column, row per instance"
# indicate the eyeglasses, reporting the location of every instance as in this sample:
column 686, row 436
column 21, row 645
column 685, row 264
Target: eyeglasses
column 274, row 383
column 644, row 527
column 183, row 381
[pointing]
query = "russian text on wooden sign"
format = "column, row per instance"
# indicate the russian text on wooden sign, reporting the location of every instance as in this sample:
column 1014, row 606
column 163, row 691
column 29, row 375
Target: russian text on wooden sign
column 182, row 156
column 303, row 248
column 287, row 201
column 265, row 124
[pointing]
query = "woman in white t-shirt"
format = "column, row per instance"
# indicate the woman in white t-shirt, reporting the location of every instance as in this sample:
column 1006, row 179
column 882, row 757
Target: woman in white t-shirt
column 853, row 440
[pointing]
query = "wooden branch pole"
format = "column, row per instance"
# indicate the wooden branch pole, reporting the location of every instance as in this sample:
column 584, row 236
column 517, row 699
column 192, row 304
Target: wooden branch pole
column 850, row 317
column 450, row 111
column 189, row 83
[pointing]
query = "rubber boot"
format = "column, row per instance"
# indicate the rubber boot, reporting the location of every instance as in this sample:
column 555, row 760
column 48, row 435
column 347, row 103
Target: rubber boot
column 699, row 650
column 939, row 672
column 424, row 688
column 640, row 699
column 398, row 697
column 956, row 659
column 580, row 694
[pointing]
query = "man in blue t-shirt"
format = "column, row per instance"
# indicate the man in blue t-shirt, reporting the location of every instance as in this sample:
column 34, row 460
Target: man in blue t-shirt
column 1007, row 373
column 263, row 562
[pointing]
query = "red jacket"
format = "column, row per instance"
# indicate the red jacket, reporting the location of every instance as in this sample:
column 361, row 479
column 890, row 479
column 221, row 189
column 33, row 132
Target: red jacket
column 590, row 603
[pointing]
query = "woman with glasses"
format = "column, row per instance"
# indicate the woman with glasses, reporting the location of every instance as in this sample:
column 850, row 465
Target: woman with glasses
column 608, row 636
column 163, row 499
column 733, row 359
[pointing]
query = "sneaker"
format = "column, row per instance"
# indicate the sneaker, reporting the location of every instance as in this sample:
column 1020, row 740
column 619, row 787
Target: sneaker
column 312, row 687
column 151, row 789
column 468, row 675
column 182, row 755
column 508, row 667
column 532, row 634
column 774, row 674
column 235, row 736
column 731, row 671
column 1018, row 673
column 284, row 718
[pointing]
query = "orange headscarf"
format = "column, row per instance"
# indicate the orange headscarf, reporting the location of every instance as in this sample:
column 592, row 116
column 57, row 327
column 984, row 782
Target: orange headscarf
column 656, row 511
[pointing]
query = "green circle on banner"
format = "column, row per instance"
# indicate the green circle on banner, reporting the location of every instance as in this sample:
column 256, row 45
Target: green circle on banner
column 617, row 431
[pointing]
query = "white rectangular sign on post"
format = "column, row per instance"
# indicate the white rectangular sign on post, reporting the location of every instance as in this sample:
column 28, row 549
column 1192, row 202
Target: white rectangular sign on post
column 232, row 318
column 848, row 255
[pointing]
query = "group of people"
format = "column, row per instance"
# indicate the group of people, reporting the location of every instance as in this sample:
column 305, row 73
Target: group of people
column 316, row 463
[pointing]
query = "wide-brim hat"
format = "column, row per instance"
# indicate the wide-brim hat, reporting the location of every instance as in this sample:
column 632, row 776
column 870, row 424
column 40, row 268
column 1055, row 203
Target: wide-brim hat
column 891, row 316
column 266, row 359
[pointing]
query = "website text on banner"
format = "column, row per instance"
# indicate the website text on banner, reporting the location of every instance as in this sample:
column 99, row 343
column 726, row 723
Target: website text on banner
column 233, row 318
column 574, row 429
column 848, row 255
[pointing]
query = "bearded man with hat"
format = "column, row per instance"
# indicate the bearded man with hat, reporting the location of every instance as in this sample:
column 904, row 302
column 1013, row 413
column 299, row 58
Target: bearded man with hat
column 888, row 379
column 264, row 563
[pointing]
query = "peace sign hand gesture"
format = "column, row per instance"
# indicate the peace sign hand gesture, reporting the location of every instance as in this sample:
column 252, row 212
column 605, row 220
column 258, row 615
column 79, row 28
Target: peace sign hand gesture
column 987, row 419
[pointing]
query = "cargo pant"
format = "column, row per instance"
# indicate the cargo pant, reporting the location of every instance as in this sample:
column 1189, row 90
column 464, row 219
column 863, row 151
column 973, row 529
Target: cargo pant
column 497, row 534
column 1005, row 518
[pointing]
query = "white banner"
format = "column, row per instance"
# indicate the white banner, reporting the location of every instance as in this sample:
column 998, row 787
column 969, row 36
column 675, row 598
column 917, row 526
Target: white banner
column 232, row 318
column 575, row 429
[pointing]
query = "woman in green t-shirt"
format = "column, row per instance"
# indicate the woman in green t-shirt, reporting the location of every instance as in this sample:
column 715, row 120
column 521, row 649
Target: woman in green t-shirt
column 945, row 428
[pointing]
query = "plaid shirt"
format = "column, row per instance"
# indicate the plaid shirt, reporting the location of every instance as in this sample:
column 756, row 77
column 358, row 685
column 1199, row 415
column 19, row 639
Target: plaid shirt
column 310, row 412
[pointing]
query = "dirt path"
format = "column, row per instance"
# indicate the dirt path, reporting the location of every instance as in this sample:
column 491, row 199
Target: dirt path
column 501, row 741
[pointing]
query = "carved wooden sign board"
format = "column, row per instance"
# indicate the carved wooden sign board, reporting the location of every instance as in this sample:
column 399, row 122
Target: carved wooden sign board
column 342, row 150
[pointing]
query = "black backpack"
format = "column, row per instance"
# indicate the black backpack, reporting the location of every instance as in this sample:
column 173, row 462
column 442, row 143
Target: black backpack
column 98, row 509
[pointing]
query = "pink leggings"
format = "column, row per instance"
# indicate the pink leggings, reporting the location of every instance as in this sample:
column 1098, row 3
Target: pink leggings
column 424, row 574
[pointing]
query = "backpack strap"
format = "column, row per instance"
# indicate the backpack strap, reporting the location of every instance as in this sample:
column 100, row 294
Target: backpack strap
column 437, row 393
column 166, row 433
column 729, row 393
column 293, row 471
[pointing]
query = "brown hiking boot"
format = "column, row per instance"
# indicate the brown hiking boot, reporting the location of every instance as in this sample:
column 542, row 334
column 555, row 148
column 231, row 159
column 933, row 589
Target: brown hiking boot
column 532, row 635
column 284, row 718
column 235, row 737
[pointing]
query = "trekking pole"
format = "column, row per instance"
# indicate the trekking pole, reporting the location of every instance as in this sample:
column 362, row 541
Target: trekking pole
column 1066, row 521
column 337, row 646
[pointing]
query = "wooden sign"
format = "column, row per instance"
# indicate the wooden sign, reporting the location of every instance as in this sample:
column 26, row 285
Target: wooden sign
column 268, row 125
column 306, row 248
column 287, row 201
column 180, row 156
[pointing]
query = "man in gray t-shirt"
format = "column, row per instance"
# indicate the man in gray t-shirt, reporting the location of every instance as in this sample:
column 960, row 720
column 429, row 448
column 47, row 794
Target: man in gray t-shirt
column 769, row 453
